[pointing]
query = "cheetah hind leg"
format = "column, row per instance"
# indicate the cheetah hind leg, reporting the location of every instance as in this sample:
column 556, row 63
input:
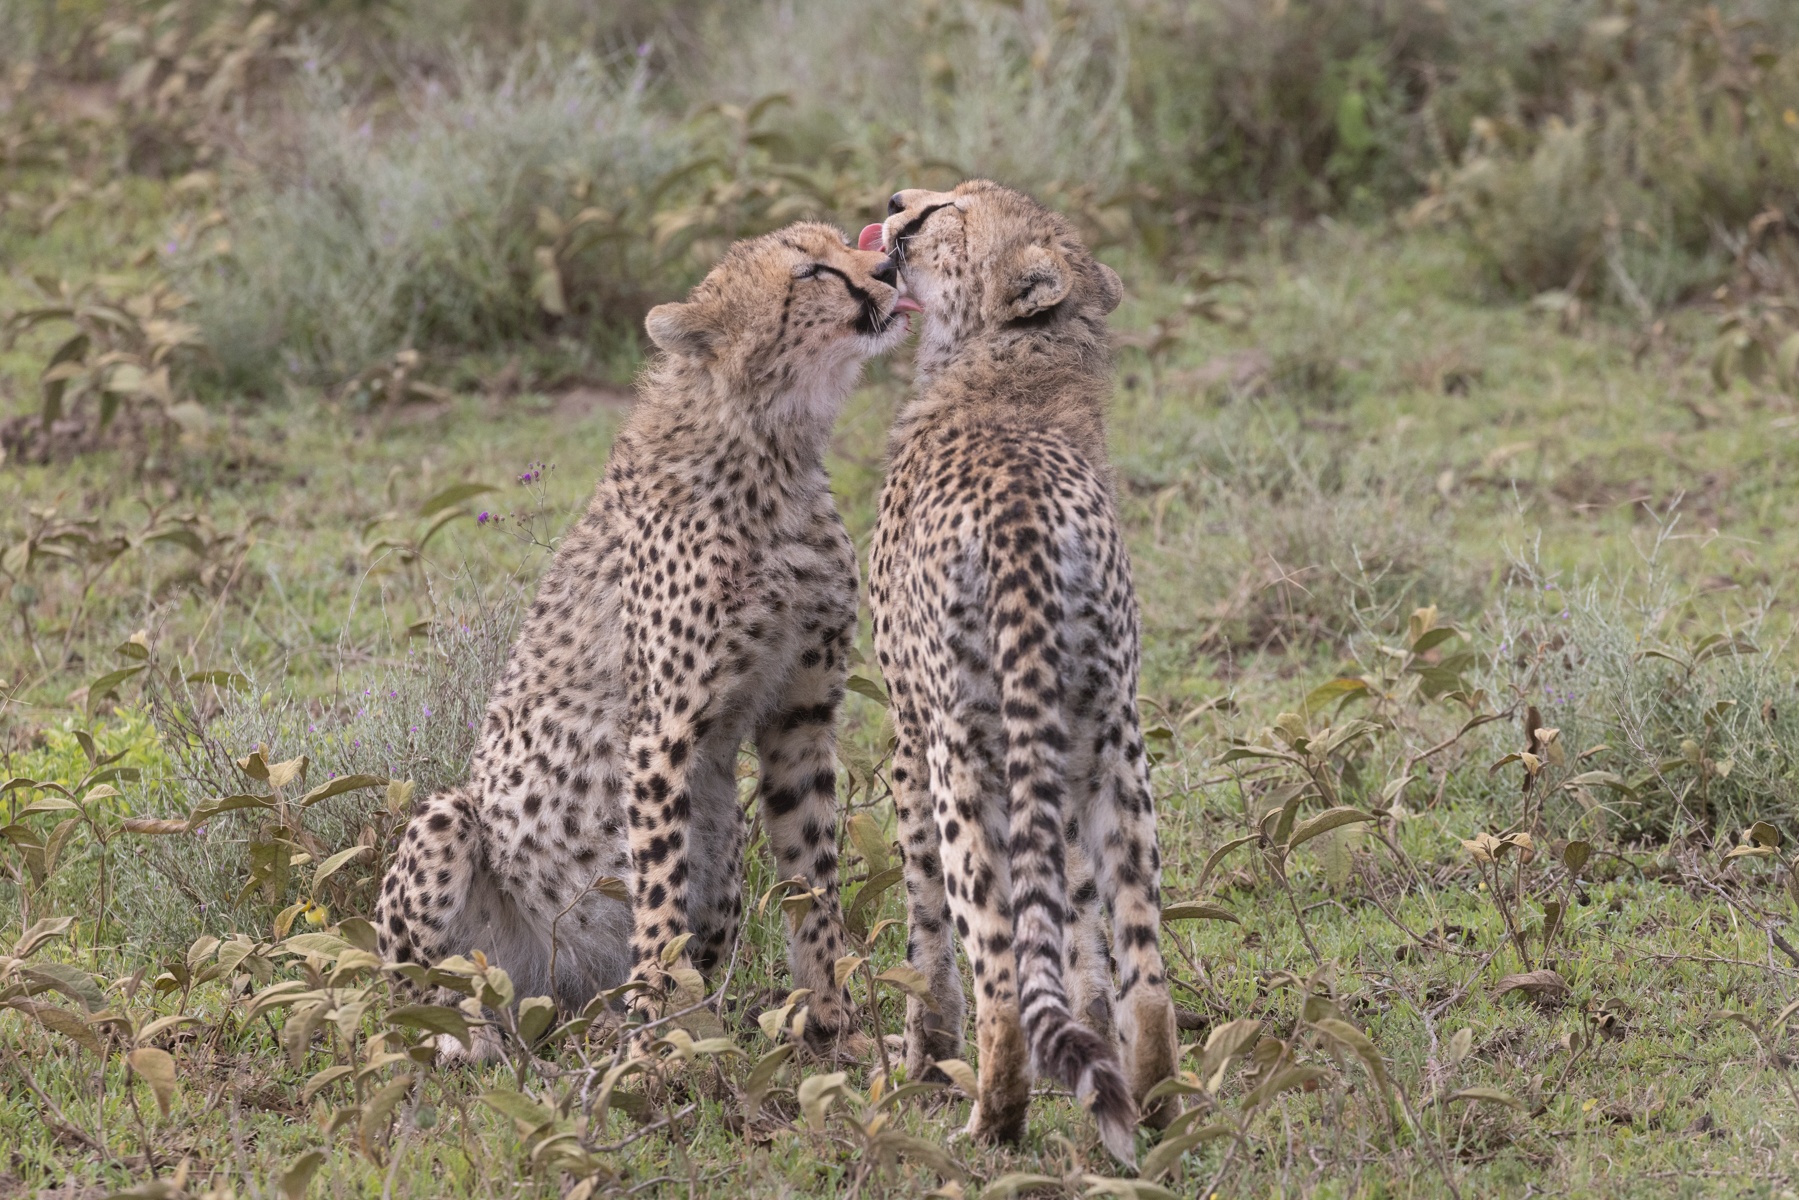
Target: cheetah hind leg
column 422, row 915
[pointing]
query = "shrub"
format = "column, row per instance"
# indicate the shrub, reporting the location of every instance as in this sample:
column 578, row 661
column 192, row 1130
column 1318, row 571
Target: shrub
column 1292, row 542
column 1031, row 94
column 1689, row 711
column 1682, row 129
column 414, row 719
column 503, row 203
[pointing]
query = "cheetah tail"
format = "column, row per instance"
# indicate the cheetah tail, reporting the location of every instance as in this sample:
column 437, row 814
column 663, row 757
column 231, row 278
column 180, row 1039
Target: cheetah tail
column 1062, row 1048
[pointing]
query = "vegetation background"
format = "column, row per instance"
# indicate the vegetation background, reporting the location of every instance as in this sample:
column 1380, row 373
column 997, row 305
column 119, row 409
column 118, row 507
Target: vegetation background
column 1457, row 412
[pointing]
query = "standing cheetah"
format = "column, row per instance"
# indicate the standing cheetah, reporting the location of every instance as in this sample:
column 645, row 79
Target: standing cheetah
column 708, row 596
column 1006, row 625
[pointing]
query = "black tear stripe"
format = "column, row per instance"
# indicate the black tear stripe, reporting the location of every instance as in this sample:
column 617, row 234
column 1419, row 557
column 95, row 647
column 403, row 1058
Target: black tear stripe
column 913, row 226
column 870, row 320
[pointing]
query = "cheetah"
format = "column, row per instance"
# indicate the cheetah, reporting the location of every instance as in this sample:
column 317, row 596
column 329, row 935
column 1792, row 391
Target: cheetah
column 707, row 596
column 1006, row 625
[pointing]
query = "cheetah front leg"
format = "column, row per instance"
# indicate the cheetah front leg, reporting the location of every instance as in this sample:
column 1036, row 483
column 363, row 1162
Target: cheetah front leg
column 661, row 762
column 798, row 753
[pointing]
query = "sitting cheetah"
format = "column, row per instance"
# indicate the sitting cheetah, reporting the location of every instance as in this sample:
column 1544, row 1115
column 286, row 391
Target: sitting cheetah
column 1006, row 625
column 707, row 596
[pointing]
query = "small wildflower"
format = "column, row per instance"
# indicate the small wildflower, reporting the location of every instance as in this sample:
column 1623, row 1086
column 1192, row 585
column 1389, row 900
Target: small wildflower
column 483, row 519
column 643, row 51
column 1791, row 118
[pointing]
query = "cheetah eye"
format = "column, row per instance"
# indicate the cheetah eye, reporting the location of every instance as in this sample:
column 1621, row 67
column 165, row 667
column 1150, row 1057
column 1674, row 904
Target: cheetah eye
column 807, row 270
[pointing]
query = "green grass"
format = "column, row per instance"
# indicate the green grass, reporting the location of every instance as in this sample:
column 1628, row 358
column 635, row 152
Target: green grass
column 1400, row 438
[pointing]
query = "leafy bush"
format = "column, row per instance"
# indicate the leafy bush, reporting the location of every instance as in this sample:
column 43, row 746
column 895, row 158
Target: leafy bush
column 506, row 202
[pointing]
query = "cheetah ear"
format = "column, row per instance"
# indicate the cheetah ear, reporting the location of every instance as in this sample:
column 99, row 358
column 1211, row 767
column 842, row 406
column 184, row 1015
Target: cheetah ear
column 1111, row 288
column 686, row 329
column 1038, row 280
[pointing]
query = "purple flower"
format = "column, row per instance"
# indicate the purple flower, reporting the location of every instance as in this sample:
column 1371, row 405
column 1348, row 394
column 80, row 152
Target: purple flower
column 643, row 50
column 483, row 519
column 172, row 247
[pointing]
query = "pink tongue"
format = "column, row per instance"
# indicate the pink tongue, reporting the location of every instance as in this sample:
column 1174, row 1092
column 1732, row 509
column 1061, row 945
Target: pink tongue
column 870, row 239
column 907, row 304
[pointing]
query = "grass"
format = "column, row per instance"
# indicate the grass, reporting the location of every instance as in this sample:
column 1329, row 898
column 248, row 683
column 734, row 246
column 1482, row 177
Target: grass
column 1354, row 425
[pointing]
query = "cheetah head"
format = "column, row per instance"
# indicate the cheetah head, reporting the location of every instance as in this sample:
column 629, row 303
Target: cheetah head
column 983, row 257
column 794, row 311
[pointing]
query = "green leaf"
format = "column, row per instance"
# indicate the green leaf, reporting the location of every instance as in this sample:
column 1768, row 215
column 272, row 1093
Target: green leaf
column 865, row 834
column 1432, row 638
column 325, row 945
column 207, row 809
column 1324, row 822
column 456, row 493
column 1342, row 1031
column 1223, row 1044
column 71, row 981
column 868, row 896
column 1017, row 1183
column 106, row 685
column 761, row 1077
column 524, row 1110
column 41, row 933
column 1487, row 1095
column 910, row 980
column 864, row 686
column 432, row 1019
column 379, row 1109
column 157, row 1069
column 535, row 1016
column 815, row 1094
column 1193, row 910
column 300, row 1172
column 1217, row 856
column 1165, row 1156
column 1336, row 691
column 917, row 1149
column 1284, row 1081
column 330, row 866
column 58, row 1020
column 845, row 967
column 960, row 1074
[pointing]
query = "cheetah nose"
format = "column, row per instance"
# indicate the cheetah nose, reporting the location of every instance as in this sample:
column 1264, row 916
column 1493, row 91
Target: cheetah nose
column 887, row 271
column 896, row 204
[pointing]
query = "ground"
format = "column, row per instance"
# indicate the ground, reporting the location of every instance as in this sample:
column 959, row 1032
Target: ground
column 1371, row 432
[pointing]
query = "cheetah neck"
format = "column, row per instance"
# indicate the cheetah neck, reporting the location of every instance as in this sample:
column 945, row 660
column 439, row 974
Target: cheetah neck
column 685, row 421
column 1060, row 377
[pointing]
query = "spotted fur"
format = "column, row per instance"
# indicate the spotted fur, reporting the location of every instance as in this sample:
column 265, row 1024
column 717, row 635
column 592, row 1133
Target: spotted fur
column 1007, row 628
column 708, row 596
